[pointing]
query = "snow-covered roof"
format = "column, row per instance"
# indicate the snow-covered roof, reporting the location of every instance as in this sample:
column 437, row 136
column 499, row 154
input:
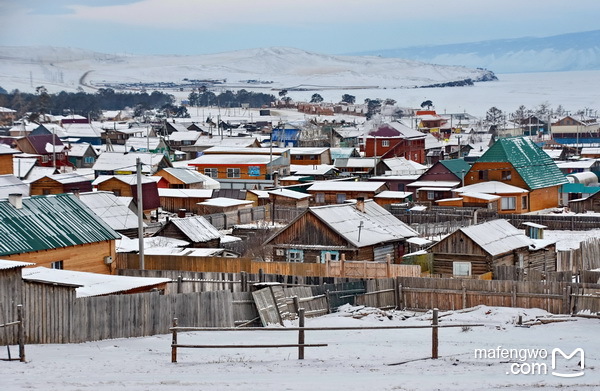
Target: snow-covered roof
column 10, row 184
column 370, row 227
column 116, row 161
column 6, row 264
column 231, row 159
column 583, row 163
column 308, row 151
column 196, row 228
column 356, row 162
column 224, row 202
column 185, row 193
column 127, row 245
column 481, row 196
column 111, row 209
column 289, row 194
column 393, row 194
column 346, row 186
column 491, row 187
column 130, row 179
column 79, row 149
column 90, row 284
column 419, row 241
column 497, row 236
column 316, row 169
column 434, row 184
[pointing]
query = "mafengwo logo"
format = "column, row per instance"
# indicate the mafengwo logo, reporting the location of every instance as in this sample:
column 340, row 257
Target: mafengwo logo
column 557, row 351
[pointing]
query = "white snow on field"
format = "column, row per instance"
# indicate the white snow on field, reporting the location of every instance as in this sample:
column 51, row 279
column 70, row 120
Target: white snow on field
column 354, row 360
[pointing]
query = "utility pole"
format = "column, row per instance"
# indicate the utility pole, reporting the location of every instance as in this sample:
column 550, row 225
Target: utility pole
column 140, row 206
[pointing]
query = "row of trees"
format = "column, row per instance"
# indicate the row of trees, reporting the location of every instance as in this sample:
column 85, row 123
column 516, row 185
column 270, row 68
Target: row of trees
column 83, row 103
column 230, row 98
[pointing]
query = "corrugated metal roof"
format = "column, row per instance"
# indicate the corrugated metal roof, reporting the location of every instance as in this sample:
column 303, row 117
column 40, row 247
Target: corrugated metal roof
column 187, row 175
column 109, row 208
column 48, row 222
column 456, row 166
column 377, row 225
column 185, row 193
column 497, row 237
column 345, row 186
column 289, row 193
column 90, row 284
column 534, row 165
column 6, row 264
column 197, row 228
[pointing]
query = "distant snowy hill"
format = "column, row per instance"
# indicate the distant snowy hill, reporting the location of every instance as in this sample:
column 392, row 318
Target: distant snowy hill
column 68, row 69
column 566, row 52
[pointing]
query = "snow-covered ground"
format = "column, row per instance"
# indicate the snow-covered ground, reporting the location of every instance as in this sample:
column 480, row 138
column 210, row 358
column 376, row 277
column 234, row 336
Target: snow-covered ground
column 354, row 360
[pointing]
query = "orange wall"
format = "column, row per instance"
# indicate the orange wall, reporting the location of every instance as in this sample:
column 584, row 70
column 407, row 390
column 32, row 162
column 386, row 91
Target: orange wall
column 6, row 164
column 222, row 170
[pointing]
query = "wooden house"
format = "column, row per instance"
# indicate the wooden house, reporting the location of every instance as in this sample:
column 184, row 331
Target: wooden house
column 310, row 156
column 487, row 195
column 246, row 168
column 6, row 159
column 438, row 181
column 395, row 139
column 195, row 229
column 361, row 230
column 124, row 163
column 337, row 192
column 56, row 231
column 185, row 178
column 223, row 205
column 517, row 161
column 183, row 200
column 7, row 116
column 576, row 130
column 289, row 198
column 388, row 197
column 70, row 182
column 358, row 166
column 81, row 155
column 475, row 250
column 126, row 186
column 591, row 203
column 258, row 197
column 47, row 147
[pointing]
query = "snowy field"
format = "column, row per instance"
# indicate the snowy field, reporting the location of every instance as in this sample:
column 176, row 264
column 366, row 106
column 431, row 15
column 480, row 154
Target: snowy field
column 354, row 360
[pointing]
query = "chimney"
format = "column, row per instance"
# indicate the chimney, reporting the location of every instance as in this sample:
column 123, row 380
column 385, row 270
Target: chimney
column 16, row 200
column 360, row 204
column 181, row 213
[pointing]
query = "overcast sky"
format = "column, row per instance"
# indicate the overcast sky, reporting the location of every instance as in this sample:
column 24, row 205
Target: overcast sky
column 323, row 26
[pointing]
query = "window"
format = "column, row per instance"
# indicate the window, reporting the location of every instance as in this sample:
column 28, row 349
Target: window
column 506, row 175
column 320, row 198
column 524, row 205
column 483, row 175
column 117, row 192
column 295, row 256
column 233, row 173
column 334, row 256
column 461, row 269
column 211, row 172
column 340, row 198
column 430, row 195
column 56, row 265
column 89, row 159
column 385, row 143
column 508, row 203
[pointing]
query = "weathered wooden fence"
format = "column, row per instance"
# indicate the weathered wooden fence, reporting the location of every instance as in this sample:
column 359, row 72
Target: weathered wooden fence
column 344, row 269
column 242, row 216
column 586, row 257
column 438, row 219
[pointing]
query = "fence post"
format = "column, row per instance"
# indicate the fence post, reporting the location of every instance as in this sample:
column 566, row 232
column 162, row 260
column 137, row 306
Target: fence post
column 21, row 333
column 261, row 275
column 342, row 265
column 396, row 293
column 434, row 334
column 244, row 281
column 301, row 334
column 388, row 267
column 179, row 284
column 464, row 294
column 513, row 294
column 174, row 342
column 569, row 297
column 296, row 301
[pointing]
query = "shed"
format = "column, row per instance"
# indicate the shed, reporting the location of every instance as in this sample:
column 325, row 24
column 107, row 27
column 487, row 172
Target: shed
column 194, row 229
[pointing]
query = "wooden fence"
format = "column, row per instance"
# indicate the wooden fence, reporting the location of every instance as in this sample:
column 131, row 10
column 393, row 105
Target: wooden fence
column 242, row 216
column 344, row 269
column 443, row 220
column 586, row 257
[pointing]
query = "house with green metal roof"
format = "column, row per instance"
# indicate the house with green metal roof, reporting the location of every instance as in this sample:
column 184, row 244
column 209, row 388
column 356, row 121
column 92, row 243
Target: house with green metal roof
column 438, row 181
column 55, row 231
column 519, row 162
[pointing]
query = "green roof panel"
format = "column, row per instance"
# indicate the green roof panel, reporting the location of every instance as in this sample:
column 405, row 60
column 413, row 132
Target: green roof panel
column 48, row 222
column 535, row 166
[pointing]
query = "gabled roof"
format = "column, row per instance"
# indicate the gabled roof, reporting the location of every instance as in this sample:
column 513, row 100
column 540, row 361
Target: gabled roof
column 537, row 169
column 111, row 209
column 116, row 161
column 130, row 179
column 10, row 184
column 346, row 186
column 68, row 177
column 377, row 225
column 289, row 194
column 497, row 237
column 396, row 129
column 48, row 222
column 90, row 284
column 457, row 167
column 317, row 169
column 187, row 176
column 196, row 228
column 491, row 187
